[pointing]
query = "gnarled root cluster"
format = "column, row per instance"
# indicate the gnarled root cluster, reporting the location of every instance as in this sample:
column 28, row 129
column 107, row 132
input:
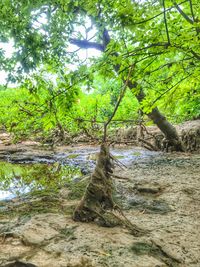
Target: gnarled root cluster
column 97, row 203
column 98, row 194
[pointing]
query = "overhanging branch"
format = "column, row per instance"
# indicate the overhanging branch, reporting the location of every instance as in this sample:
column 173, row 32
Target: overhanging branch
column 169, row 89
column 85, row 44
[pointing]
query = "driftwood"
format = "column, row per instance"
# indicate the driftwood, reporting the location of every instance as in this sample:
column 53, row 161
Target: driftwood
column 148, row 146
column 191, row 138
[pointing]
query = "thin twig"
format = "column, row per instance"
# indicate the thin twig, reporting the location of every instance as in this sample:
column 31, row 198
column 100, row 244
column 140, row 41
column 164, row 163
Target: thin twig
column 159, row 14
column 117, row 104
column 165, row 20
column 119, row 163
column 166, row 91
column 185, row 16
column 191, row 9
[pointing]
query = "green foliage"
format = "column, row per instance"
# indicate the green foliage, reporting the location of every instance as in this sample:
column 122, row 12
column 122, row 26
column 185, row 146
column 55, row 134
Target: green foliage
column 157, row 40
column 36, row 111
column 36, row 114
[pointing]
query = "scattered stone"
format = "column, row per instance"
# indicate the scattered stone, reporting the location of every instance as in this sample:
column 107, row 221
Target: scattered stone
column 148, row 189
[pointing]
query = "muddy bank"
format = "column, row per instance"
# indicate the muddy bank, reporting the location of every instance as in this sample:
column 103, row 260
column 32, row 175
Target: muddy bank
column 152, row 138
column 27, row 167
column 160, row 193
column 79, row 155
column 149, row 137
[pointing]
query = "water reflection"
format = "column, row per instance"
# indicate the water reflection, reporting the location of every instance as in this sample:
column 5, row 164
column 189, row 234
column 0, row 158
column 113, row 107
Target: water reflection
column 18, row 179
column 28, row 172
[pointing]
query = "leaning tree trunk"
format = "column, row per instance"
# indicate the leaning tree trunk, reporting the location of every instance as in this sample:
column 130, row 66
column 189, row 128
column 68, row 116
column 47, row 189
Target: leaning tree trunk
column 171, row 140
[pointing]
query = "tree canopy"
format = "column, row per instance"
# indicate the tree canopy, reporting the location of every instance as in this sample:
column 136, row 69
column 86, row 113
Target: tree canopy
column 157, row 41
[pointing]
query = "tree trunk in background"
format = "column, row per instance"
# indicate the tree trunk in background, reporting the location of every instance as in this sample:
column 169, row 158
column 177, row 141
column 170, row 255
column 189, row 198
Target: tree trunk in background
column 172, row 140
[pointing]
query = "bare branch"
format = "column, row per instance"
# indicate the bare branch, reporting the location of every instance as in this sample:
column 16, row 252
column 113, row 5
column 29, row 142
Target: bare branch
column 191, row 9
column 159, row 14
column 86, row 44
column 106, row 38
column 118, row 103
column 195, row 55
column 183, row 13
column 165, row 20
column 169, row 64
column 159, row 44
column 169, row 89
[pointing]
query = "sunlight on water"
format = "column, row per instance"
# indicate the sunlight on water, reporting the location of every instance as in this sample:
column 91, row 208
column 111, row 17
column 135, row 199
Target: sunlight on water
column 5, row 195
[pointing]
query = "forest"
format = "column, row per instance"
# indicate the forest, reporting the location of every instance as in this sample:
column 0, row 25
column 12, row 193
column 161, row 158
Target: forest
column 99, row 133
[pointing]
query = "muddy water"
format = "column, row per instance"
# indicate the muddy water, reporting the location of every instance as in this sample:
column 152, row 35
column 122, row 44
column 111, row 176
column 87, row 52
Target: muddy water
column 23, row 171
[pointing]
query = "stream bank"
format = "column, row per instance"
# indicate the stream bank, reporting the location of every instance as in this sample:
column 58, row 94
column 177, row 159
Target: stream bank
column 158, row 192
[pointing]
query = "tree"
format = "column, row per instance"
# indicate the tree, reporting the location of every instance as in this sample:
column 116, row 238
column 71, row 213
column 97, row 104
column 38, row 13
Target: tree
column 159, row 40
column 146, row 52
column 150, row 46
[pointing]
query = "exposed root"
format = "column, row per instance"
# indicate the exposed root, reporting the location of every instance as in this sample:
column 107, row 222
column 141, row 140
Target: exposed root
column 118, row 162
column 19, row 264
column 134, row 230
column 148, row 145
column 98, row 194
column 120, row 177
column 97, row 203
column 172, row 145
column 191, row 139
column 155, row 250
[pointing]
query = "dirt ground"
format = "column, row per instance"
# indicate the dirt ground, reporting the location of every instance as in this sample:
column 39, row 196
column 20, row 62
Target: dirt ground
column 159, row 194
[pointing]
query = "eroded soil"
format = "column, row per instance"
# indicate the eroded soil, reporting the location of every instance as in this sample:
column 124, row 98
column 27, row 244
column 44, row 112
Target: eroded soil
column 157, row 192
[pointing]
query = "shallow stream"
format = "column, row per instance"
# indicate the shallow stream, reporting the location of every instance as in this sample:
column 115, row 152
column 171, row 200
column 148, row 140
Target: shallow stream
column 24, row 171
